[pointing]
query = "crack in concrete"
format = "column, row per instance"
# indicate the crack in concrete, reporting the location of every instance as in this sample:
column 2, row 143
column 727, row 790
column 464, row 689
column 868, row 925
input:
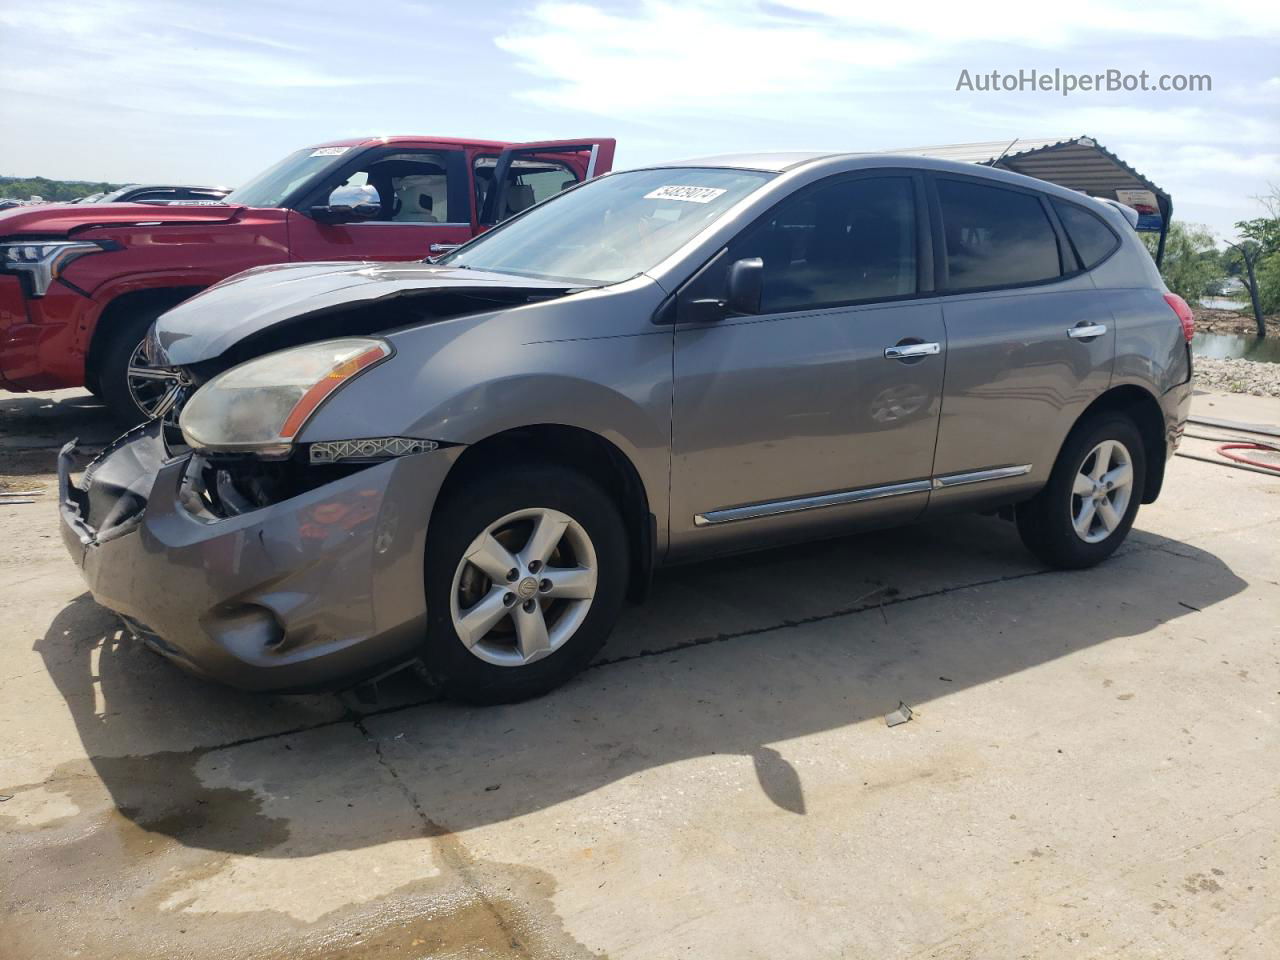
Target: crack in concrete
column 452, row 851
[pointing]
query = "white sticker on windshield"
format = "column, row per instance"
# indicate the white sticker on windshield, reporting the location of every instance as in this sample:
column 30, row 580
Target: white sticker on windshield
column 329, row 151
column 687, row 194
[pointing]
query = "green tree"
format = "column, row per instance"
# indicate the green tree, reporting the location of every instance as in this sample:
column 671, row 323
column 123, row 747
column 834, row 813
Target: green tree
column 20, row 188
column 1256, row 254
column 1192, row 266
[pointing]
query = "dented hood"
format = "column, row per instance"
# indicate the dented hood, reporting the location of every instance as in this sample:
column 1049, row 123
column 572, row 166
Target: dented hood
column 212, row 322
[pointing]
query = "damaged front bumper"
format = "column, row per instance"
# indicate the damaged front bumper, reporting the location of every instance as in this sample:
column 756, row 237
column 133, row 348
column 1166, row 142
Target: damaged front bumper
column 318, row 590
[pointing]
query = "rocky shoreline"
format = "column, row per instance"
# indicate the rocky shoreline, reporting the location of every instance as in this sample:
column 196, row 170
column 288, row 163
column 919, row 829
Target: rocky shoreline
column 1237, row 376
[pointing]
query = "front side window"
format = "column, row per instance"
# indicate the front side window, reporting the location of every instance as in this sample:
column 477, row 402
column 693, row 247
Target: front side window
column 995, row 237
column 611, row 228
column 410, row 187
column 849, row 241
column 1092, row 239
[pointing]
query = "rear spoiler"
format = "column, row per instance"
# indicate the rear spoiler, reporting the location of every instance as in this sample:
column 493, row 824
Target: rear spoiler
column 1130, row 214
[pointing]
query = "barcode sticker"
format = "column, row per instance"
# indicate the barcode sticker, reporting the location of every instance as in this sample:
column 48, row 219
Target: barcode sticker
column 687, row 194
column 329, row 151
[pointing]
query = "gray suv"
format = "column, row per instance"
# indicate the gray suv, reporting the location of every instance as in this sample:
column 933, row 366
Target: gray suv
column 469, row 464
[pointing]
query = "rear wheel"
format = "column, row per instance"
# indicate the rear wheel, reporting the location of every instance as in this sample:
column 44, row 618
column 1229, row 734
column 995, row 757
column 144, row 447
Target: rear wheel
column 1089, row 504
column 133, row 390
column 525, row 577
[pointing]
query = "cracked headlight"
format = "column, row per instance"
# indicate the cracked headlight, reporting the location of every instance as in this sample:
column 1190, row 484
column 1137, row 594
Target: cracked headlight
column 44, row 260
column 260, row 406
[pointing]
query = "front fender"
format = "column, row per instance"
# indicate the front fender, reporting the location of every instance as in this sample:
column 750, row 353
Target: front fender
column 591, row 361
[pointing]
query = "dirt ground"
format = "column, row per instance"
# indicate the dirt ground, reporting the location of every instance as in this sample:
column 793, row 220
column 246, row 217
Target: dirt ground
column 1092, row 768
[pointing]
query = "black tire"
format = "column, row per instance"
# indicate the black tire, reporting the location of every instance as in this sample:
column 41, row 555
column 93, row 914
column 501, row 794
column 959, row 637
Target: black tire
column 1045, row 522
column 112, row 367
column 463, row 516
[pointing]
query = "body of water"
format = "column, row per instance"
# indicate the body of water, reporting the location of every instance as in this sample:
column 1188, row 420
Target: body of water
column 1222, row 346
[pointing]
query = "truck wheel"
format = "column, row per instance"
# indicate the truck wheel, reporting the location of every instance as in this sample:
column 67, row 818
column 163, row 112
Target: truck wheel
column 131, row 390
column 525, row 577
column 1086, row 509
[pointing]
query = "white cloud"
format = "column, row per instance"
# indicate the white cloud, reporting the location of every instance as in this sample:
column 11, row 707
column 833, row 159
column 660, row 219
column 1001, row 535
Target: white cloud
column 188, row 59
column 667, row 59
column 828, row 73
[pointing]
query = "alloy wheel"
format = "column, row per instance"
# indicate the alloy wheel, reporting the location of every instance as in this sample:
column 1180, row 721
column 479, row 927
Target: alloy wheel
column 154, row 390
column 523, row 587
column 1101, row 491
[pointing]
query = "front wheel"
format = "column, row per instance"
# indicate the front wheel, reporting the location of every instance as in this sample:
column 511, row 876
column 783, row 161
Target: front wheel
column 1086, row 509
column 131, row 388
column 525, row 577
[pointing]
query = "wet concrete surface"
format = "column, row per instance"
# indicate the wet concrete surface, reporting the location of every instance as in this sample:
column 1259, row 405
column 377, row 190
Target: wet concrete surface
column 1091, row 768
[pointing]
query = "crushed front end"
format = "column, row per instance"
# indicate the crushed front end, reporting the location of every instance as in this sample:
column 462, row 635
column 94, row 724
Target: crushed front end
column 298, row 573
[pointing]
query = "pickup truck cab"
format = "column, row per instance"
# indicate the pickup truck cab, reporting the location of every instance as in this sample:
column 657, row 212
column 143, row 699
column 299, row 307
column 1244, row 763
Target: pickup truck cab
column 81, row 284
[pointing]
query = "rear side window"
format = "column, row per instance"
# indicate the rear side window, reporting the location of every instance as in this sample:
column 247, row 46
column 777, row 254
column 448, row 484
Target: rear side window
column 995, row 237
column 848, row 241
column 1092, row 239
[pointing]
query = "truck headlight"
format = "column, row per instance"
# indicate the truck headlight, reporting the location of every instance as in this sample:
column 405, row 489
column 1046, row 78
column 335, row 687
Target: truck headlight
column 44, row 260
column 260, row 406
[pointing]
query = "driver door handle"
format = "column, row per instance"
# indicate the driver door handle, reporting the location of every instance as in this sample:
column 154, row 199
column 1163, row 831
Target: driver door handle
column 906, row 351
column 1087, row 330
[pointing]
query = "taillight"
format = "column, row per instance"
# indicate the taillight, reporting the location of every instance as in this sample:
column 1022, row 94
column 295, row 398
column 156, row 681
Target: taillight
column 1185, row 316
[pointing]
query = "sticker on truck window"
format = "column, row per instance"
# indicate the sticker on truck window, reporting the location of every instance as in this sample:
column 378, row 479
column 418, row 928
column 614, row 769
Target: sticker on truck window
column 687, row 194
column 329, row 151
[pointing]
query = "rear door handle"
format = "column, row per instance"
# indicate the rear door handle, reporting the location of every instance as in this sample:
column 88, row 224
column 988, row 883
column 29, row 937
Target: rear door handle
column 443, row 247
column 1086, row 331
column 906, row 351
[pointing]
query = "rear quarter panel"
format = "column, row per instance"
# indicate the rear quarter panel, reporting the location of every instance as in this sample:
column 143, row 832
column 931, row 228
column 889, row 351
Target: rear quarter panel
column 1151, row 351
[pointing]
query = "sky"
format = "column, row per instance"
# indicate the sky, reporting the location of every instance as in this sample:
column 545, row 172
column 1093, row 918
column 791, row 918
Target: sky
column 213, row 92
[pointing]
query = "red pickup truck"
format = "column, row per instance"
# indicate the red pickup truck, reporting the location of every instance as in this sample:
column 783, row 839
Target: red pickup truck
column 80, row 284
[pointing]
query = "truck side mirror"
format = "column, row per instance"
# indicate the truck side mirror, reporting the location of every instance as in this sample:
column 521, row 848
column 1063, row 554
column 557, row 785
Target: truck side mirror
column 348, row 204
column 746, row 284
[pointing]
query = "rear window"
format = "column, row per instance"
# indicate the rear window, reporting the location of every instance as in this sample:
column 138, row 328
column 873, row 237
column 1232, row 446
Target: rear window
column 995, row 237
column 1093, row 240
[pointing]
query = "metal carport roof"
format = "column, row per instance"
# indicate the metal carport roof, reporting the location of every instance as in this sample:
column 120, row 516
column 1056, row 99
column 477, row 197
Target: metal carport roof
column 1077, row 163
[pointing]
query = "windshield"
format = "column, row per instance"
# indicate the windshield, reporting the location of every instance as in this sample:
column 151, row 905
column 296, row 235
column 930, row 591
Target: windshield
column 275, row 184
column 612, row 228
column 110, row 197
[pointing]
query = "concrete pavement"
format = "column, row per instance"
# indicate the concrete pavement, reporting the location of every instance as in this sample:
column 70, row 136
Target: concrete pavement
column 1091, row 770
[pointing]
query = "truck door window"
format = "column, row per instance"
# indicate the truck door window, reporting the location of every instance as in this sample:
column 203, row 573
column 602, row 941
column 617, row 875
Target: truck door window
column 529, row 182
column 411, row 186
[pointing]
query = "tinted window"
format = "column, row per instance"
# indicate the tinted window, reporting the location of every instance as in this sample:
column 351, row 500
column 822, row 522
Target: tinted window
column 848, row 241
column 995, row 237
column 1091, row 237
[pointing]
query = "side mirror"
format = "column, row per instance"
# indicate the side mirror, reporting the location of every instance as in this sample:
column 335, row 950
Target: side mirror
column 746, row 284
column 743, row 287
column 348, row 204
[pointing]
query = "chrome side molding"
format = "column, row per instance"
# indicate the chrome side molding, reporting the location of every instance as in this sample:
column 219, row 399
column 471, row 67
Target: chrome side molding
column 977, row 476
column 772, row 508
